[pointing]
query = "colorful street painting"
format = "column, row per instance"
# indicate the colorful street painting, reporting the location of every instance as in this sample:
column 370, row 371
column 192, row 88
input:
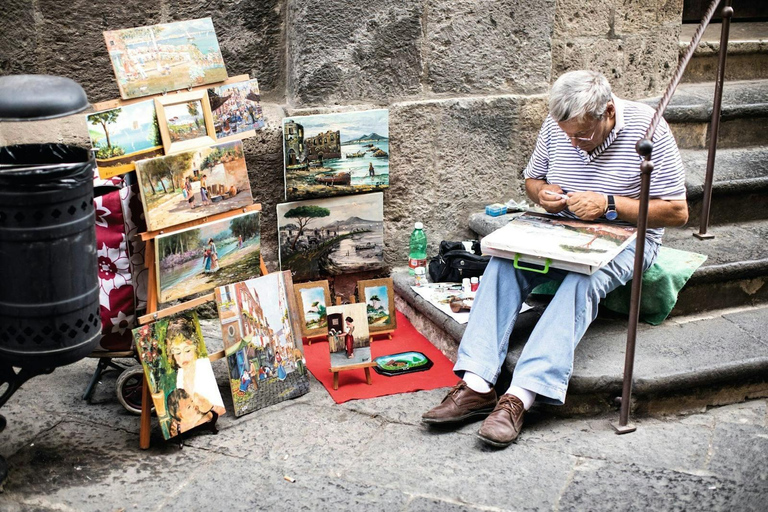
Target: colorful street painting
column 162, row 58
column 236, row 108
column 181, row 380
column 263, row 349
column 325, row 237
column 193, row 184
column 199, row 259
column 336, row 154
column 122, row 135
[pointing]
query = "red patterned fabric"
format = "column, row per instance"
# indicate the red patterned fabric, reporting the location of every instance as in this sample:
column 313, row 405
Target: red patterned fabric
column 116, row 297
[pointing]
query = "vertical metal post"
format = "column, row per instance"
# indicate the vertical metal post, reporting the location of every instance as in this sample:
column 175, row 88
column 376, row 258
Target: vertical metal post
column 715, row 124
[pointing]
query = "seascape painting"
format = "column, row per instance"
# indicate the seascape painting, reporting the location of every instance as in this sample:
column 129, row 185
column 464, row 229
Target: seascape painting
column 379, row 299
column 193, row 184
column 162, row 58
column 336, row 154
column 122, row 135
column 185, row 121
column 348, row 336
column 326, row 237
column 313, row 298
column 236, row 108
column 263, row 351
column 181, row 380
column 199, row 259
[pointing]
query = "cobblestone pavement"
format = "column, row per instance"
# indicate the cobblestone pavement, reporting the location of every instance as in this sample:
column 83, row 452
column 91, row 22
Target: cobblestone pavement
column 373, row 454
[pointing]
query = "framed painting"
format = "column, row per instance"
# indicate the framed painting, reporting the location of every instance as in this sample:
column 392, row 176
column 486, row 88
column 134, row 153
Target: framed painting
column 348, row 336
column 379, row 298
column 123, row 135
column 336, row 154
column 161, row 58
column 263, row 349
column 185, row 121
column 193, row 184
column 199, row 259
column 236, row 109
column 181, row 380
column 337, row 235
column 313, row 299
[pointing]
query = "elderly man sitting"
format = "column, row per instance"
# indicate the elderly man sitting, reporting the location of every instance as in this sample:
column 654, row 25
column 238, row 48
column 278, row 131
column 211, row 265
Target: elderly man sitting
column 585, row 151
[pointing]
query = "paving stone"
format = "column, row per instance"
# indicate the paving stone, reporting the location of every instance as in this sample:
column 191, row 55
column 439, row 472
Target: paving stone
column 741, row 442
column 424, row 504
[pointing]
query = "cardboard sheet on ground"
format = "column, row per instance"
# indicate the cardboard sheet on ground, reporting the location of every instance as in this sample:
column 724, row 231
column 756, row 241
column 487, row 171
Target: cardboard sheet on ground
column 352, row 385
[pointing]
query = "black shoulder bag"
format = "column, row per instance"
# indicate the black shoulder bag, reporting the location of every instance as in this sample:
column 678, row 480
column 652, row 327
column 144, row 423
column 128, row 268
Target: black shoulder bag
column 453, row 262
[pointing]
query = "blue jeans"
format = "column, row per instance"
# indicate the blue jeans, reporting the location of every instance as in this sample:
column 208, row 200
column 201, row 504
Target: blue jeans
column 546, row 362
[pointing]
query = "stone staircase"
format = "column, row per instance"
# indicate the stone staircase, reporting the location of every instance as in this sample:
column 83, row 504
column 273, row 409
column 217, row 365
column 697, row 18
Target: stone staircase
column 714, row 347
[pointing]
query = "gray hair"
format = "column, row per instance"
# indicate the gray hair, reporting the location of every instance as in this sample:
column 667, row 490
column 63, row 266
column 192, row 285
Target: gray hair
column 579, row 93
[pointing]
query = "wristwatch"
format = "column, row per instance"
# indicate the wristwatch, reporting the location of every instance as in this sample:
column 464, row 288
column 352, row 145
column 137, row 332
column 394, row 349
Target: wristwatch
column 610, row 212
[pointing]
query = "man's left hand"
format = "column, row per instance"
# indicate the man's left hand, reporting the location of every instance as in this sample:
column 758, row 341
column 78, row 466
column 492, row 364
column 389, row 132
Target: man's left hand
column 587, row 205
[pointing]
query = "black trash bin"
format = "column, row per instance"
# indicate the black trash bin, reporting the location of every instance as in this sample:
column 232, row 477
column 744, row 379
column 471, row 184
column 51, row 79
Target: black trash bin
column 49, row 290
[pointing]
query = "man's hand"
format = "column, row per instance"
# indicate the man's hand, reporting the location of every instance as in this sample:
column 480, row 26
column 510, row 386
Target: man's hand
column 552, row 198
column 587, row 205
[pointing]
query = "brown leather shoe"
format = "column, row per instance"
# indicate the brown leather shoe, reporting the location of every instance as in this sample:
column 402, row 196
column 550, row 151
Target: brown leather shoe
column 459, row 404
column 503, row 425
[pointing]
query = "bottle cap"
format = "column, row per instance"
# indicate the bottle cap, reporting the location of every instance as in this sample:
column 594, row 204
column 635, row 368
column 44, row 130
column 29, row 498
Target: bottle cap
column 418, row 225
column 473, row 280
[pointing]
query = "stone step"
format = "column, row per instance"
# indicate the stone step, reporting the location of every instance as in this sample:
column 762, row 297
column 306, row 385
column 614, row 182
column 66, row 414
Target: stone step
column 744, row 114
column 739, row 188
column 747, row 57
column 683, row 364
column 735, row 273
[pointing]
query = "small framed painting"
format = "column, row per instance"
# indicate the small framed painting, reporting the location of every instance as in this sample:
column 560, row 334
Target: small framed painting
column 379, row 298
column 348, row 337
column 185, row 121
column 313, row 299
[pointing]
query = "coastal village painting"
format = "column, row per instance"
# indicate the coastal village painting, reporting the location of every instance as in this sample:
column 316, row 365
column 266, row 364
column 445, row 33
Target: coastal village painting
column 325, row 237
column 193, row 184
column 378, row 297
column 336, row 154
column 349, row 340
column 199, row 259
column 162, row 58
column 122, row 135
column 236, row 109
column 180, row 376
column 263, row 350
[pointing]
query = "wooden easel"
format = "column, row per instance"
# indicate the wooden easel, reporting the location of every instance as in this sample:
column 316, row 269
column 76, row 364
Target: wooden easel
column 388, row 334
column 336, row 369
column 153, row 314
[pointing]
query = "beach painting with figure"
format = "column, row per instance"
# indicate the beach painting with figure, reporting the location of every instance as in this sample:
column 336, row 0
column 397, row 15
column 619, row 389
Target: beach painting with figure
column 348, row 336
column 193, row 184
column 336, row 154
column 199, row 259
column 181, row 380
column 123, row 135
column 325, row 237
column 262, row 345
column 236, row 109
column 163, row 58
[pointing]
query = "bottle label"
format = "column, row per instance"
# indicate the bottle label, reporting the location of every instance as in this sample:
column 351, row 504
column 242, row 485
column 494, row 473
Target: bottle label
column 414, row 262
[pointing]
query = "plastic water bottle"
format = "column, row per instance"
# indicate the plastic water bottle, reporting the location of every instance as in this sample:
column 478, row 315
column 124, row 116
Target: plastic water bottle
column 417, row 251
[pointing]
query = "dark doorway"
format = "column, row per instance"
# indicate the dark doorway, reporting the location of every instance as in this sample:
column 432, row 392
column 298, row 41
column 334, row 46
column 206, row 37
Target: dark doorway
column 743, row 10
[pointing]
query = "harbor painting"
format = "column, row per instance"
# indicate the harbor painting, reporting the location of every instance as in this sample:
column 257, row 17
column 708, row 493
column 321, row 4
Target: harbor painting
column 122, row 135
column 263, row 350
column 236, row 109
column 348, row 337
column 379, row 299
column 193, row 184
column 336, row 154
column 326, row 237
column 180, row 376
column 161, row 58
column 313, row 298
column 199, row 259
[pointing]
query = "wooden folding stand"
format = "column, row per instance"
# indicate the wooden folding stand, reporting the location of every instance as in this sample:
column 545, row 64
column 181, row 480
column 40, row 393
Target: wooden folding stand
column 153, row 314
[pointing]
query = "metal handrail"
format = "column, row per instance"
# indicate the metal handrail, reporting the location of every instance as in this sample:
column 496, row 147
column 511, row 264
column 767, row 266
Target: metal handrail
column 644, row 148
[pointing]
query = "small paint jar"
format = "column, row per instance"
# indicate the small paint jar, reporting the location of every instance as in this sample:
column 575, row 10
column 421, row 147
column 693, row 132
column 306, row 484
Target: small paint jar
column 466, row 286
column 473, row 284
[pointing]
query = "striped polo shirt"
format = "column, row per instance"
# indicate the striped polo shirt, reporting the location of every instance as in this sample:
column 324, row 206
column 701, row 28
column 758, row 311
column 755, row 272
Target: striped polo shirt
column 614, row 166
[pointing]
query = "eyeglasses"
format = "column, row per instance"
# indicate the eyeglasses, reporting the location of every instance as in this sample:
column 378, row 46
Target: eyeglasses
column 585, row 139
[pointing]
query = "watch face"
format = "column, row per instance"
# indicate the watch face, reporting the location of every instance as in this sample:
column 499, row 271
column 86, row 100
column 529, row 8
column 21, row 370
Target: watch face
column 611, row 215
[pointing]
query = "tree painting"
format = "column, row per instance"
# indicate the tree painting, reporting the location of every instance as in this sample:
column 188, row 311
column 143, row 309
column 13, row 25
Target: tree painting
column 171, row 167
column 194, row 112
column 245, row 227
column 104, row 119
column 304, row 215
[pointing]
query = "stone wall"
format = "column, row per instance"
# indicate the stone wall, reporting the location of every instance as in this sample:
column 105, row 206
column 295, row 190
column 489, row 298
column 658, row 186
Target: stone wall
column 465, row 81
